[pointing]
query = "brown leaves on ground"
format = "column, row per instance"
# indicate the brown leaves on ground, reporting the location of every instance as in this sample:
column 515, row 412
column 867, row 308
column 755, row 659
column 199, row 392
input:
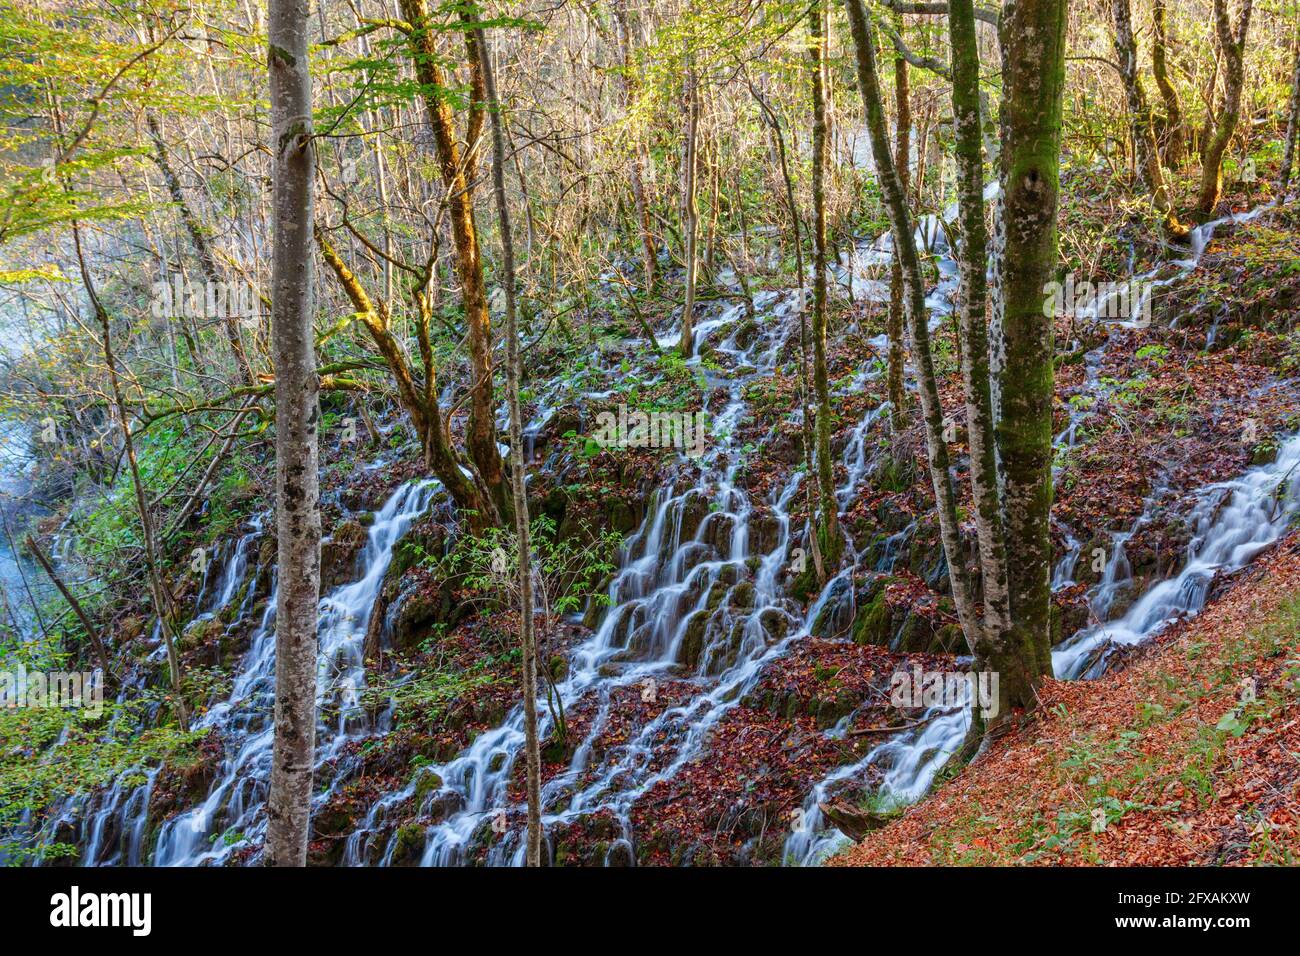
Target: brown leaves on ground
column 1185, row 768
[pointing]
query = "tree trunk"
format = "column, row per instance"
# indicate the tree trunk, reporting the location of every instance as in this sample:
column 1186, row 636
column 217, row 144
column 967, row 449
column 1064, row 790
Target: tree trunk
column 202, row 248
column 157, row 591
column 1175, row 138
column 900, row 223
column 831, row 545
column 639, row 151
column 1150, row 173
column 973, row 320
column 92, row 632
column 297, row 417
column 1032, row 35
column 1292, row 124
column 527, row 635
column 774, row 123
column 894, row 319
column 481, row 439
column 690, row 209
column 1232, row 47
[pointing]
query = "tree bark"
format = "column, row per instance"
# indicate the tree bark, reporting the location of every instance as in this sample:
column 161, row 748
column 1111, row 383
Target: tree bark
column 831, row 544
column 527, row 634
column 1175, row 138
column 894, row 320
column 900, row 222
column 1032, row 35
column 690, row 209
column 157, row 591
column 1232, row 48
column 202, row 248
column 973, row 319
column 92, row 632
column 1292, row 123
column 297, row 482
column 774, row 123
column 480, row 439
column 1150, row 173
column 639, row 151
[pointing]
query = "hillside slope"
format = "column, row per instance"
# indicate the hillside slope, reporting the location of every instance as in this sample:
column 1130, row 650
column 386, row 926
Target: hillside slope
column 1186, row 767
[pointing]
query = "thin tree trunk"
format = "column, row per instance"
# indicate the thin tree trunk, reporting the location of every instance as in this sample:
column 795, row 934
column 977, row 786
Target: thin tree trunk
column 1032, row 35
column 774, row 123
column 1175, row 138
column 202, row 248
column 690, row 209
column 527, row 635
column 1150, row 173
column 91, row 631
column 639, row 151
column 900, row 223
column 1232, row 47
column 829, row 528
column 157, row 591
column 894, row 319
column 1292, row 123
column 985, row 485
column 297, row 482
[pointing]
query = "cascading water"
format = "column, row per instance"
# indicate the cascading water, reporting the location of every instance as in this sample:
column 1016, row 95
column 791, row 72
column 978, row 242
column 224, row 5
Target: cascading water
column 1233, row 522
column 661, row 622
column 660, row 594
column 232, row 817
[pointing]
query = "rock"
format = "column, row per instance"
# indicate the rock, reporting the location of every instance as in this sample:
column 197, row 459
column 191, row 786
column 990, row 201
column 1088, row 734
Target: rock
column 853, row 822
column 338, row 554
column 692, row 646
column 874, row 623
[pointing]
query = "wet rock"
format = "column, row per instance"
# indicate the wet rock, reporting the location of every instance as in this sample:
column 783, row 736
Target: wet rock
column 692, row 646
column 338, row 554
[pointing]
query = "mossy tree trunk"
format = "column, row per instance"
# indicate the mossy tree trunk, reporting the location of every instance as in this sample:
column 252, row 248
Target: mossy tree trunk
column 690, row 206
column 1032, row 35
column 1292, row 122
column 894, row 321
column 1223, row 122
column 1175, row 137
column 973, row 325
column 1149, row 171
column 457, row 169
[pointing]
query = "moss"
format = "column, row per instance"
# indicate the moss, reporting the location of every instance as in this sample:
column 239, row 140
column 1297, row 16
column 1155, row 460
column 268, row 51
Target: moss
column 874, row 623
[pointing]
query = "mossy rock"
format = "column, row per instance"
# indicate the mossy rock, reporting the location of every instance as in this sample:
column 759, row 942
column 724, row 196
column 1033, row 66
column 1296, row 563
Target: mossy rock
column 426, row 782
column 875, row 622
column 409, row 845
column 692, row 646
